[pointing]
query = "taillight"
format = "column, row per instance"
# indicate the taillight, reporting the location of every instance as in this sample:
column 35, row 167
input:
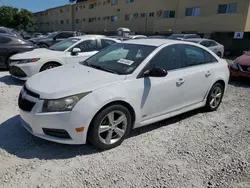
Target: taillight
column 228, row 66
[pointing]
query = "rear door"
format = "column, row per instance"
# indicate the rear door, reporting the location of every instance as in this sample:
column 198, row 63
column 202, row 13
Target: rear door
column 88, row 48
column 197, row 77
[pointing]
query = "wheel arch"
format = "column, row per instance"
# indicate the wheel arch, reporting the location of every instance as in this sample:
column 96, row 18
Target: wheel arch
column 55, row 62
column 116, row 102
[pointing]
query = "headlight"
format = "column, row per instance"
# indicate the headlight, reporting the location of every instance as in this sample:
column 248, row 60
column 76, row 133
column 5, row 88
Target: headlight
column 234, row 65
column 64, row 104
column 28, row 60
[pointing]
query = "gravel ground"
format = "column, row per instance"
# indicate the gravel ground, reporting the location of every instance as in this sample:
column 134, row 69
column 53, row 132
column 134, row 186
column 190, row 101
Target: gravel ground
column 196, row 149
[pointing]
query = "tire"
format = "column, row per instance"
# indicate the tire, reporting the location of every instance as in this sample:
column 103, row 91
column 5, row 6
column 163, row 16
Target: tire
column 43, row 46
column 99, row 137
column 219, row 54
column 214, row 102
column 49, row 66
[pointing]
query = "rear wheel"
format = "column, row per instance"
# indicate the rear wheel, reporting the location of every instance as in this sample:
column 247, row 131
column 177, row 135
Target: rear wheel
column 214, row 97
column 49, row 66
column 110, row 127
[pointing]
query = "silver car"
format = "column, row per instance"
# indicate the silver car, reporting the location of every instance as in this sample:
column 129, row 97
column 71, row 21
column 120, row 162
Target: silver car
column 216, row 47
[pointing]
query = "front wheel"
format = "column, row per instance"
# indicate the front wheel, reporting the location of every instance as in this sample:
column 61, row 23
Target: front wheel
column 214, row 97
column 49, row 66
column 110, row 127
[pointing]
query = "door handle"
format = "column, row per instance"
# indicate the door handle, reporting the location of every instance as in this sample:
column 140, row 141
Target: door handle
column 180, row 81
column 208, row 73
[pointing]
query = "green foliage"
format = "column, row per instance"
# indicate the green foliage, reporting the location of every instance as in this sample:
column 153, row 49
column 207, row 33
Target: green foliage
column 14, row 18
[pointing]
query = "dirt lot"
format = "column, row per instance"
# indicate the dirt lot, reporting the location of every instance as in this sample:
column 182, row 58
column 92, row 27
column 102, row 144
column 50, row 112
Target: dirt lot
column 196, row 149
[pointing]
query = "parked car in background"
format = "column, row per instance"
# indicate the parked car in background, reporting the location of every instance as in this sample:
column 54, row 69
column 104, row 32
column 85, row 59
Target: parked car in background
column 137, row 36
column 125, row 86
column 9, row 31
column 10, row 45
column 241, row 66
column 216, row 47
column 53, row 38
column 183, row 36
column 71, row 50
column 37, row 35
column 157, row 37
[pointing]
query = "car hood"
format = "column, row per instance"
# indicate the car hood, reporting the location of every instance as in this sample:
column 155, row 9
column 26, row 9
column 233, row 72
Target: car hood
column 37, row 53
column 244, row 60
column 70, row 80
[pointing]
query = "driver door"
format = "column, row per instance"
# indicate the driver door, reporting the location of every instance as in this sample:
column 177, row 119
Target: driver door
column 87, row 47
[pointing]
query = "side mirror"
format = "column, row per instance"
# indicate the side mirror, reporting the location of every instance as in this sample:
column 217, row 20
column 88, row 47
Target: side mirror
column 156, row 72
column 75, row 51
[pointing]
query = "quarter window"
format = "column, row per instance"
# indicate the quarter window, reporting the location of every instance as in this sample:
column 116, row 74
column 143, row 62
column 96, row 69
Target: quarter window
column 169, row 58
column 196, row 56
column 87, row 46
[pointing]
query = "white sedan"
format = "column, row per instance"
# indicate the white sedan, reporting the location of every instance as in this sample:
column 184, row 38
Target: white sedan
column 216, row 47
column 125, row 86
column 71, row 50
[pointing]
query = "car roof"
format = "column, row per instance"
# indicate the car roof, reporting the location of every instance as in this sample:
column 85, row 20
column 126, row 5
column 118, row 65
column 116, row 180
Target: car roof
column 90, row 36
column 151, row 42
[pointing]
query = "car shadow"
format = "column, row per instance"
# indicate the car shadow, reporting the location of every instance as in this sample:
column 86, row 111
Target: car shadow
column 9, row 80
column 15, row 140
column 240, row 82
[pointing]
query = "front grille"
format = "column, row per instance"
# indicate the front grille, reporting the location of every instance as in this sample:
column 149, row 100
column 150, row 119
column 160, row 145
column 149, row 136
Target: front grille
column 25, row 104
column 245, row 68
column 16, row 71
column 31, row 93
column 59, row 133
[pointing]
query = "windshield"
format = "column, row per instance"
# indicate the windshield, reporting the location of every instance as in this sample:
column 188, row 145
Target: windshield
column 120, row 58
column 64, row 45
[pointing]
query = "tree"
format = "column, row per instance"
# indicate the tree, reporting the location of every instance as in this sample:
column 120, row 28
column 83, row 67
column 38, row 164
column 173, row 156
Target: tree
column 13, row 18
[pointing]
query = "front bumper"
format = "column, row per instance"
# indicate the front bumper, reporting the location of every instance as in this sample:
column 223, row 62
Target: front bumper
column 43, row 125
column 24, row 71
column 240, row 72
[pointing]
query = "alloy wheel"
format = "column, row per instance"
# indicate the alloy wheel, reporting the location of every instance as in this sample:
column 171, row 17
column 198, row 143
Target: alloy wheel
column 112, row 127
column 216, row 97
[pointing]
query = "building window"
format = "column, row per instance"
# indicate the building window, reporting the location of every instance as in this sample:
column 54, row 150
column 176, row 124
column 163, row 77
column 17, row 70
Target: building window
column 68, row 9
column 91, row 6
column 169, row 14
column 227, row 8
column 114, row 2
column 62, row 21
column 114, row 18
column 61, row 10
column 67, row 21
column 129, row 1
column 128, row 17
column 78, row 21
column 143, row 15
column 77, row 8
column 99, row 18
column 151, row 14
column 195, row 11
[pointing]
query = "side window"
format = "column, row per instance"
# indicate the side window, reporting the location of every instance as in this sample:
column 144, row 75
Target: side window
column 87, row 46
column 4, row 40
column 105, row 43
column 197, row 56
column 64, row 35
column 169, row 58
column 205, row 43
column 2, row 31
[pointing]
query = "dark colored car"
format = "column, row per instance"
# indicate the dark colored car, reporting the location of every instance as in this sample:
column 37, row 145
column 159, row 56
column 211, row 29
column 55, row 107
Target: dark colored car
column 53, row 38
column 10, row 45
column 241, row 66
column 183, row 36
column 9, row 31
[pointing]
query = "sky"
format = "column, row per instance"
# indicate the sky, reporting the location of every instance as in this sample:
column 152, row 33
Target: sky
column 34, row 5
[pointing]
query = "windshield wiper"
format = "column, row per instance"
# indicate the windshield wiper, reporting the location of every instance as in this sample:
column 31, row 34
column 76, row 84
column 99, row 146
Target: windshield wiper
column 102, row 68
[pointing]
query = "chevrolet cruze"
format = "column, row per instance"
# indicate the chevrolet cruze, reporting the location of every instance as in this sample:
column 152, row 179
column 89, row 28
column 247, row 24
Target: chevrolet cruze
column 125, row 86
